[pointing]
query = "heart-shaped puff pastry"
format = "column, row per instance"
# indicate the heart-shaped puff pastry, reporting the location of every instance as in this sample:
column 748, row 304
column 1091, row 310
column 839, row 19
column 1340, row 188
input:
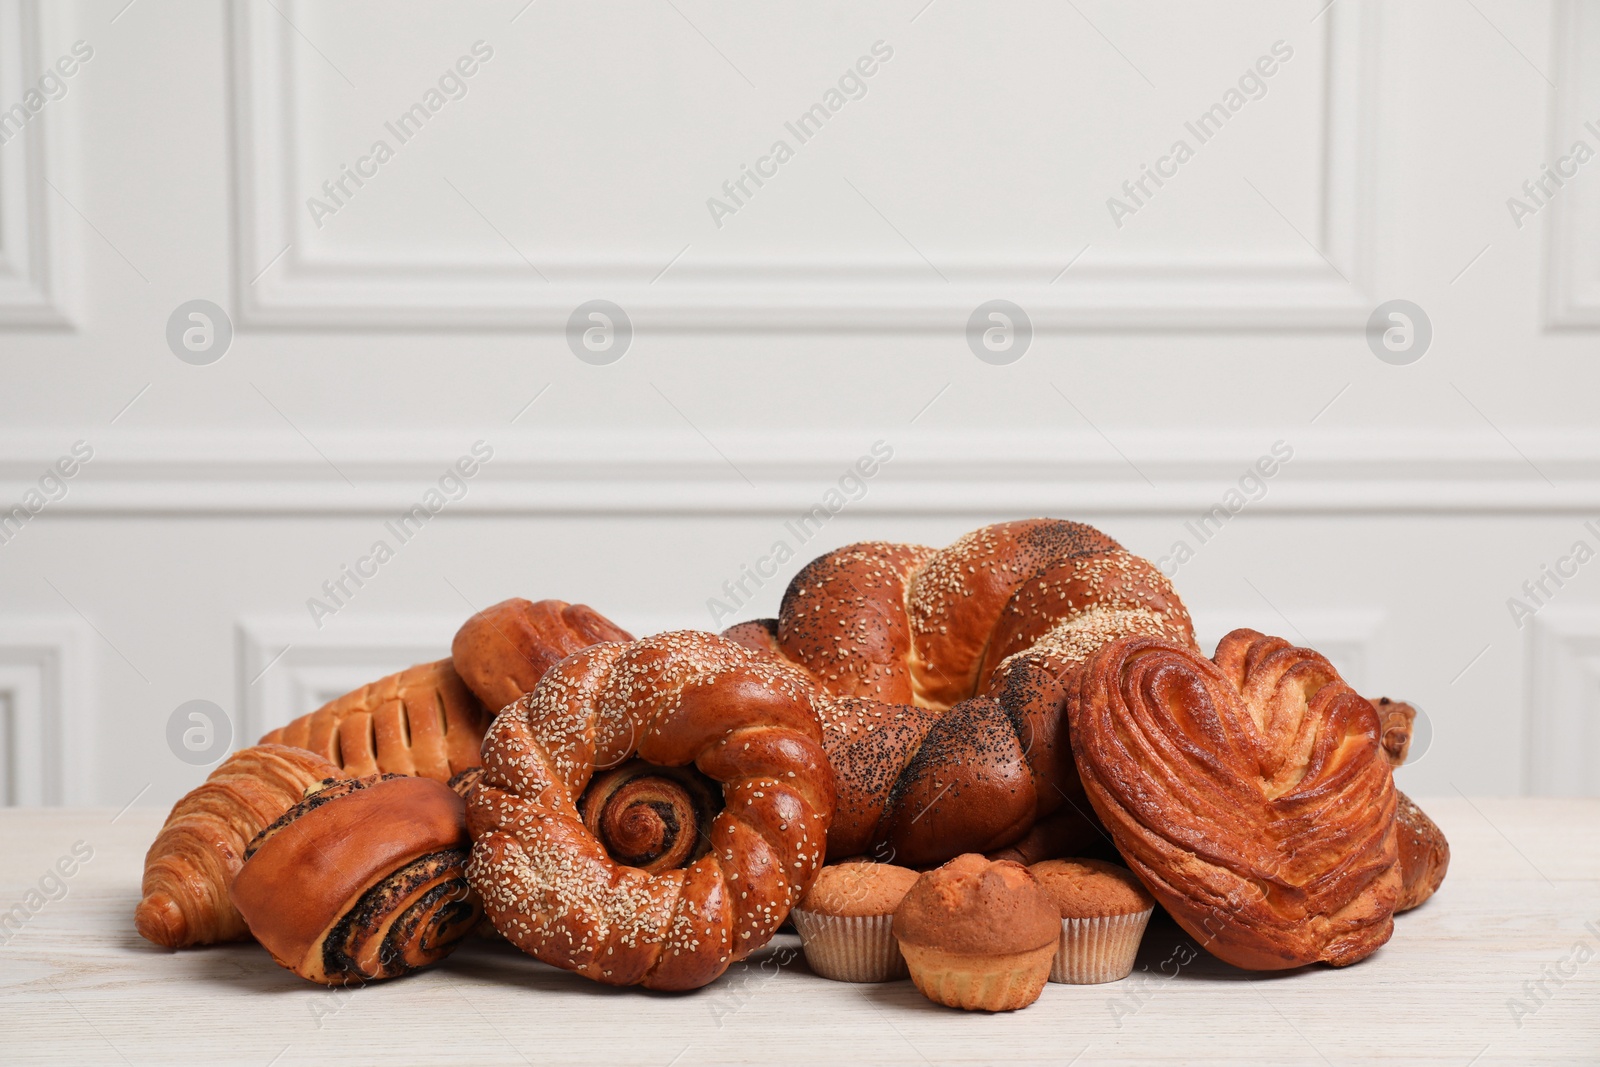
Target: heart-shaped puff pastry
column 1251, row 794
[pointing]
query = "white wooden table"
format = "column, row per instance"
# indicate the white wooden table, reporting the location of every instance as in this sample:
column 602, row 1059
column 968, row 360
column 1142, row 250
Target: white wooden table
column 1521, row 906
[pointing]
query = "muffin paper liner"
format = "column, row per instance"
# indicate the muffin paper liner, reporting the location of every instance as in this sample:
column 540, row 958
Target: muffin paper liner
column 850, row 948
column 975, row 983
column 1100, row 949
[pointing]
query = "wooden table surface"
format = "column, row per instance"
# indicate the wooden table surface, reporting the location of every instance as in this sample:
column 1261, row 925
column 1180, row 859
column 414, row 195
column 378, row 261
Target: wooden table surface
column 1502, row 966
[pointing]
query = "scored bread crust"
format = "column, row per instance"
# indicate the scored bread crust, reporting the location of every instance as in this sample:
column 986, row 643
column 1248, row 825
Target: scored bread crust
column 422, row 721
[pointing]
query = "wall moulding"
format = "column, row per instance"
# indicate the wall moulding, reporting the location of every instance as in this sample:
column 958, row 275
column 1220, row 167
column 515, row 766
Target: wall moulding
column 1319, row 287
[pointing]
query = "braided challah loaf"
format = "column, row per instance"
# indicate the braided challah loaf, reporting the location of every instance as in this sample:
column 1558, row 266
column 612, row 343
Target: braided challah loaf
column 674, row 700
column 947, row 672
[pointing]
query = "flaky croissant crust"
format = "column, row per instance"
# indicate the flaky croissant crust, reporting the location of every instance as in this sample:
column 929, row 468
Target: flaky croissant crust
column 1251, row 795
column 193, row 859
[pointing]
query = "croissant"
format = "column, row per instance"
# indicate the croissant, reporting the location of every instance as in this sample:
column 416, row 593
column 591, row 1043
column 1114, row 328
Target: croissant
column 679, row 699
column 945, row 672
column 421, row 721
column 504, row 650
column 199, row 849
column 362, row 880
column 1251, row 794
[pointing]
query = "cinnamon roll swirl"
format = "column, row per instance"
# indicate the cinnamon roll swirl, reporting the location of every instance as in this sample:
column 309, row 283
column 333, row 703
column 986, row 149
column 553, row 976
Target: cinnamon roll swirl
column 652, row 818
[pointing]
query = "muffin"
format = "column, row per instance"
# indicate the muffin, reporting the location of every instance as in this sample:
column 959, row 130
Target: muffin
column 1103, row 910
column 978, row 935
column 844, row 921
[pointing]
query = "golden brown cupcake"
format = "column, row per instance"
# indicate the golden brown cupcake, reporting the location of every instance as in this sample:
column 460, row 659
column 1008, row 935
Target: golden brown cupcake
column 978, row 934
column 845, row 919
column 1104, row 909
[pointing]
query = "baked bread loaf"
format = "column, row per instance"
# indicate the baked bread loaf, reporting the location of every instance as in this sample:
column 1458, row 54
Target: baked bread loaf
column 198, row 851
column 465, row 781
column 948, row 670
column 504, row 650
column 362, row 880
column 1251, row 795
column 673, row 700
column 422, row 721
column 1396, row 721
column 1424, row 854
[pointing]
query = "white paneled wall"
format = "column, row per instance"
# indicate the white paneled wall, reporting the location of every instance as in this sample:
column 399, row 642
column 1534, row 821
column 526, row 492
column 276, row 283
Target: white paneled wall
column 1564, row 701
column 33, row 267
column 395, row 310
column 821, row 266
column 49, row 737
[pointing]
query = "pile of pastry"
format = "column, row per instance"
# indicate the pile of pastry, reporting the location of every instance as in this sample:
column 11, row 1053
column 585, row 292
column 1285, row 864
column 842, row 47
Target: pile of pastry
column 982, row 765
